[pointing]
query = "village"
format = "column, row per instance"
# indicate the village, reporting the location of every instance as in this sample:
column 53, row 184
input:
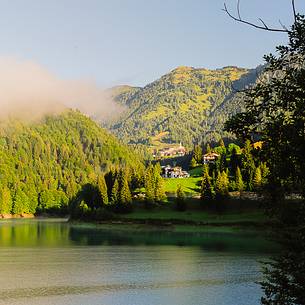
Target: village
column 169, row 171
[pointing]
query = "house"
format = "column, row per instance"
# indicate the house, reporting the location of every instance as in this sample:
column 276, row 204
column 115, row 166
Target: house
column 174, row 172
column 210, row 157
column 172, row 151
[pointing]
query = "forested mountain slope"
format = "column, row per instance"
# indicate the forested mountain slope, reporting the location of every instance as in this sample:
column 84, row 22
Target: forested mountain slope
column 43, row 165
column 187, row 105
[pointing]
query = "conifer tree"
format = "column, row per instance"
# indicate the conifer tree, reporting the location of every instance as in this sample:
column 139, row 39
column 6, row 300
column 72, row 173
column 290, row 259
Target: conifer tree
column 5, row 200
column 149, row 184
column 234, row 160
column 257, row 180
column 207, row 190
column 222, row 185
column 198, row 154
column 20, row 203
column 124, row 190
column 222, row 143
column 159, row 190
column 208, row 149
column 180, row 199
column 248, row 165
column 193, row 163
column 239, row 183
column 264, row 172
column 115, row 192
column 102, row 187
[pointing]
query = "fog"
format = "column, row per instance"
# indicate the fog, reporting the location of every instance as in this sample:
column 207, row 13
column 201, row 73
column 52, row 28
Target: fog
column 29, row 91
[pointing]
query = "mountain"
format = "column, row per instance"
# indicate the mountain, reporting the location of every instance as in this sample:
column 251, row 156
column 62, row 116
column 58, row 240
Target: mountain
column 187, row 105
column 44, row 164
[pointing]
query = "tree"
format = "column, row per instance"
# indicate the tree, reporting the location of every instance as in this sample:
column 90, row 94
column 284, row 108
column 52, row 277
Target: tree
column 222, row 143
column 275, row 111
column 115, row 192
column 257, row 180
column 234, row 160
column 20, row 203
column 248, row 165
column 239, row 183
column 222, row 185
column 198, row 154
column 159, row 188
column 207, row 190
column 5, row 200
column 180, row 199
column 124, row 190
column 102, row 187
column 265, row 173
column 208, row 149
column 149, row 184
column 193, row 163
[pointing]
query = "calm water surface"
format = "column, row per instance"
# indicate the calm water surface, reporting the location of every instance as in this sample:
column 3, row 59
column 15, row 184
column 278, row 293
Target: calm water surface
column 53, row 262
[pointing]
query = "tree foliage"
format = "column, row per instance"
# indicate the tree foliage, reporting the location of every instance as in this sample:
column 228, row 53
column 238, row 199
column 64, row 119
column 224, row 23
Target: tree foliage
column 45, row 164
column 275, row 112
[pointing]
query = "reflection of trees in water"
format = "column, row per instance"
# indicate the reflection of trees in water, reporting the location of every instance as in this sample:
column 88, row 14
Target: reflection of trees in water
column 207, row 241
column 49, row 233
column 33, row 233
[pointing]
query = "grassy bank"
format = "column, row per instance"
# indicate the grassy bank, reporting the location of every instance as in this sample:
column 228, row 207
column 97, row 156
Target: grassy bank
column 195, row 217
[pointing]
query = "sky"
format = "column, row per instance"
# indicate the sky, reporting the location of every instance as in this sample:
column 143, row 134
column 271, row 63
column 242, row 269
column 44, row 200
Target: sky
column 136, row 41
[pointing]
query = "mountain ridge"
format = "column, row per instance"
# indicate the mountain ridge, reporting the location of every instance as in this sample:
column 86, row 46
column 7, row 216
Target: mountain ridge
column 190, row 104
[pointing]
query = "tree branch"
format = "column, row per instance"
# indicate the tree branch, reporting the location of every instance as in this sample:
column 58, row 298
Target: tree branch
column 264, row 27
column 294, row 11
column 283, row 26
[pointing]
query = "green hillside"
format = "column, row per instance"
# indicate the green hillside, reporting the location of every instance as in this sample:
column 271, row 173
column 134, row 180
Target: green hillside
column 43, row 165
column 188, row 105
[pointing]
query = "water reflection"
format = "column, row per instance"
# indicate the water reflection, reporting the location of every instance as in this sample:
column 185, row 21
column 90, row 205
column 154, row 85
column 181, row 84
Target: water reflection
column 58, row 232
column 54, row 262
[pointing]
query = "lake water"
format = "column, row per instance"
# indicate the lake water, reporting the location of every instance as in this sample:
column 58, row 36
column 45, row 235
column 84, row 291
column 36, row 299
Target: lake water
column 53, row 262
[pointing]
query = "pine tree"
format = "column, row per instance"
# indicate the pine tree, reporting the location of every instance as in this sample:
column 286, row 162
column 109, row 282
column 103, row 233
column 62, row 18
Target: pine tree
column 248, row 165
column 149, row 184
column 264, row 172
column 159, row 191
column 239, row 183
column 234, row 160
column 193, row 163
column 124, row 190
column 198, row 154
column 102, row 187
column 5, row 200
column 180, row 199
column 222, row 143
column 222, row 185
column 20, row 203
column 207, row 190
column 115, row 192
column 208, row 149
column 257, row 180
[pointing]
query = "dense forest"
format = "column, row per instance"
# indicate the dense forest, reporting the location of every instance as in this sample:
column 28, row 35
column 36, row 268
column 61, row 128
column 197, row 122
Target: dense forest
column 236, row 169
column 188, row 105
column 43, row 165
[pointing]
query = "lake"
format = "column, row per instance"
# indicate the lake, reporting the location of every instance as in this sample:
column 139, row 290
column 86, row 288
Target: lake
column 51, row 261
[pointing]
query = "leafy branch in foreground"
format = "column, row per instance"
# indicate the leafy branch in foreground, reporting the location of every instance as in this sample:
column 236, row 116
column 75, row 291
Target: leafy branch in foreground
column 275, row 112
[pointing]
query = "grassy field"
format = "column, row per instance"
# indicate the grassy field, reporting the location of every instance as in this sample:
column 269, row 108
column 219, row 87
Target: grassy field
column 191, row 185
column 196, row 172
column 199, row 216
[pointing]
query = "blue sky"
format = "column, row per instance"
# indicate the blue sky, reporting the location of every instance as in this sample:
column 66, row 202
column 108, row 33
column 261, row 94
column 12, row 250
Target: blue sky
column 136, row 41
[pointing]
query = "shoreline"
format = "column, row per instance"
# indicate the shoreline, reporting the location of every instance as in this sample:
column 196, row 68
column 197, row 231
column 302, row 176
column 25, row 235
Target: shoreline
column 16, row 216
